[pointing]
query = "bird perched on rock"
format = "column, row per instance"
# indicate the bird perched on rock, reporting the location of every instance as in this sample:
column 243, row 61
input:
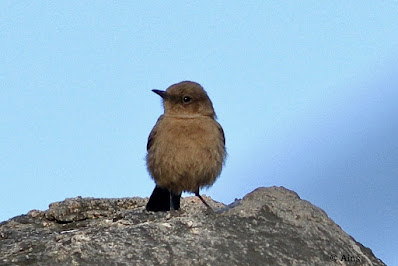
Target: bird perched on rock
column 186, row 147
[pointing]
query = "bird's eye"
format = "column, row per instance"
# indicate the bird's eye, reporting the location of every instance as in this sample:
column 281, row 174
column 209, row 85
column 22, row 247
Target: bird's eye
column 186, row 99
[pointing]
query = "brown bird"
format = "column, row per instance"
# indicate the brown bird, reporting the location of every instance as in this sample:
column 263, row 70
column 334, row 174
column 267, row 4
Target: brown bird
column 186, row 147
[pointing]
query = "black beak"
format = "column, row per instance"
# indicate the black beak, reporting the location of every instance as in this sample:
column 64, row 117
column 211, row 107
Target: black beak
column 160, row 93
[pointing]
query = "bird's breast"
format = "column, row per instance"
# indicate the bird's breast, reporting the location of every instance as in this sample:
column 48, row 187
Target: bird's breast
column 186, row 153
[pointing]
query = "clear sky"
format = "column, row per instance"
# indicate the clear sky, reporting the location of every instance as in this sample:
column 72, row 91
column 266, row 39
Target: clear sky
column 306, row 92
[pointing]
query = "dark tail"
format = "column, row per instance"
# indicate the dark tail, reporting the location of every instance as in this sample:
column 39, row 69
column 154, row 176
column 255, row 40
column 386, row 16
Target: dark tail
column 161, row 200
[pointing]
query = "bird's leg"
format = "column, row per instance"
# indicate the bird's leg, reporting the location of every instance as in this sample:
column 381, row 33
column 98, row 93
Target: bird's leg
column 175, row 201
column 204, row 202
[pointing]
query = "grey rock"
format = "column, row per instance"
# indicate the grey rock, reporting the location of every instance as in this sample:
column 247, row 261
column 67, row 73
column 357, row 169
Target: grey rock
column 269, row 226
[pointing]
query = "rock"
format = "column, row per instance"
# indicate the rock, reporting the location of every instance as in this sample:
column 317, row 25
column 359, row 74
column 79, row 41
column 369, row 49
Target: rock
column 269, row 226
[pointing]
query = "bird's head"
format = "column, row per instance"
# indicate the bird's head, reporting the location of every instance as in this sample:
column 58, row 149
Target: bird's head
column 186, row 99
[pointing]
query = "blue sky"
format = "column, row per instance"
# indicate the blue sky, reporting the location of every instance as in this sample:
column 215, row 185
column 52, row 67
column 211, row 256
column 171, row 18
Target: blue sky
column 305, row 90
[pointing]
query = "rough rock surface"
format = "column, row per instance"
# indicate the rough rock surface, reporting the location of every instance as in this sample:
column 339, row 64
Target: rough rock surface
column 269, row 226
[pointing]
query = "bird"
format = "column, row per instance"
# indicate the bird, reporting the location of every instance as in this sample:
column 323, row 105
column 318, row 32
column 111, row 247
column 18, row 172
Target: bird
column 186, row 147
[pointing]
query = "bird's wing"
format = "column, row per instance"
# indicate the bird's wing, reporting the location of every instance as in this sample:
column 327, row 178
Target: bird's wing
column 152, row 135
column 222, row 132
